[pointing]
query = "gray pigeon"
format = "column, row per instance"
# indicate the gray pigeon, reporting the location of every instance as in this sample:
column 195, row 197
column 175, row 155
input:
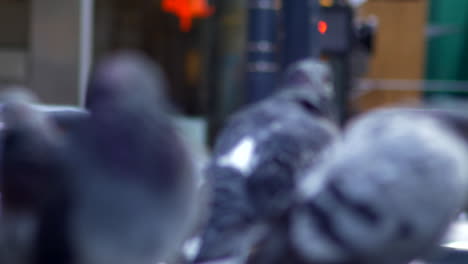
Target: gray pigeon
column 255, row 163
column 124, row 175
column 135, row 204
column 33, row 170
column 385, row 194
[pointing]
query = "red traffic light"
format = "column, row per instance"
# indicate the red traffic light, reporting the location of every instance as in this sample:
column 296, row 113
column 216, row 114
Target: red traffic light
column 187, row 10
column 322, row 27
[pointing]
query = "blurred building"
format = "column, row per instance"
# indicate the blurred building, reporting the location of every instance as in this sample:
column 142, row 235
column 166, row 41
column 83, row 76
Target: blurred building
column 50, row 45
column 419, row 53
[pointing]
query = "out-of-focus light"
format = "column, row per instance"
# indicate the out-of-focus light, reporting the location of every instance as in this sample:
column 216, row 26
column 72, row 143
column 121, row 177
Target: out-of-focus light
column 326, row 3
column 460, row 245
column 356, row 3
column 322, row 27
column 187, row 10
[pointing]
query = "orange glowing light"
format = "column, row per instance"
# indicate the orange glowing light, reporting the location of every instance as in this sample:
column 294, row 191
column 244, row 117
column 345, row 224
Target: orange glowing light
column 322, row 27
column 326, row 3
column 187, row 10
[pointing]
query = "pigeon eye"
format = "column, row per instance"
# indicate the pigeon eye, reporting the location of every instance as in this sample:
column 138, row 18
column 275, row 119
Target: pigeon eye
column 307, row 106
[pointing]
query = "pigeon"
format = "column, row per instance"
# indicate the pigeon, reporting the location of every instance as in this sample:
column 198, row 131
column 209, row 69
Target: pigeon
column 64, row 117
column 33, row 170
column 256, row 159
column 386, row 193
column 124, row 174
column 135, row 206
column 23, row 130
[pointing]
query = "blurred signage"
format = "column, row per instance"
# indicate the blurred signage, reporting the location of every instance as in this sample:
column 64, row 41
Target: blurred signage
column 187, row 10
column 336, row 29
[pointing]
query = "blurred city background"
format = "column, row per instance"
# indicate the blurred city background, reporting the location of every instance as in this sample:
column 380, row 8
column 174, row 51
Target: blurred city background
column 221, row 55
column 400, row 51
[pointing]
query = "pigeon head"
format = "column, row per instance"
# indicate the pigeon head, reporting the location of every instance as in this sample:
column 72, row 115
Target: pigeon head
column 124, row 80
column 20, row 115
column 314, row 84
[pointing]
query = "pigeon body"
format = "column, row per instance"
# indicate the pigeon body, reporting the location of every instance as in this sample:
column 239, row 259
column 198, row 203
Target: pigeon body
column 138, row 203
column 387, row 193
column 256, row 161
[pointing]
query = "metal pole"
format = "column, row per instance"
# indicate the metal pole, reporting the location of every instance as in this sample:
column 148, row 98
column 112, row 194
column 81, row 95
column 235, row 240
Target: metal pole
column 262, row 60
column 314, row 18
column 85, row 52
column 226, row 31
column 343, row 82
column 301, row 37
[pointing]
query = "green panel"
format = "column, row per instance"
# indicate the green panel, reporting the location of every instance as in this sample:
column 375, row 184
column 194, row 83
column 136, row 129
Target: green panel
column 447, row 54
